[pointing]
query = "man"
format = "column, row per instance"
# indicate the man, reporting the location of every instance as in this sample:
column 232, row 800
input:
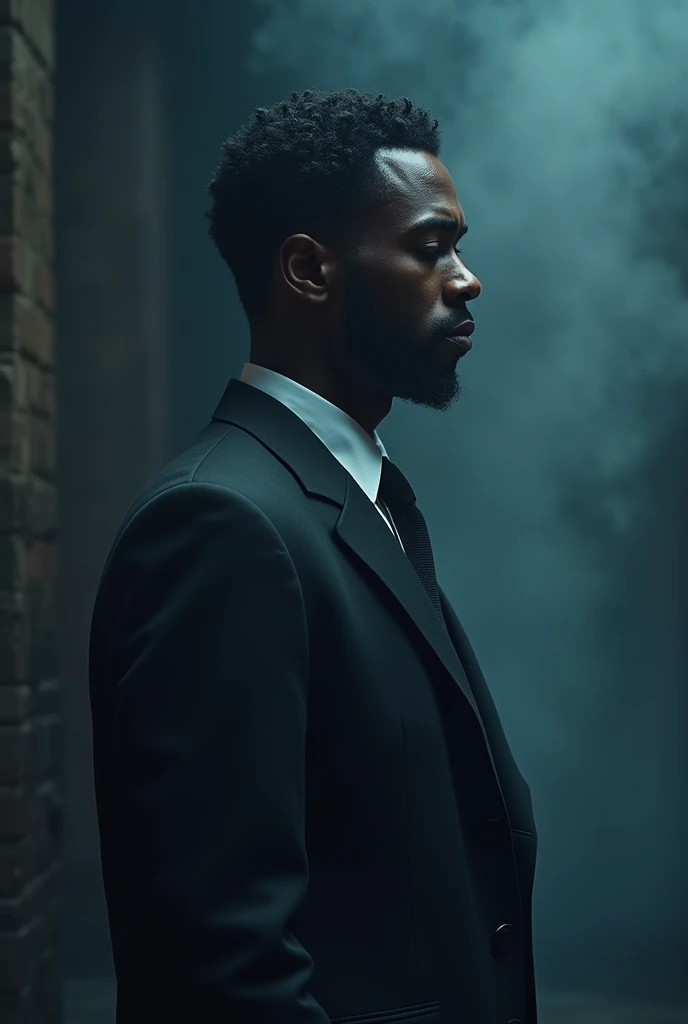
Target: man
column 307, row 805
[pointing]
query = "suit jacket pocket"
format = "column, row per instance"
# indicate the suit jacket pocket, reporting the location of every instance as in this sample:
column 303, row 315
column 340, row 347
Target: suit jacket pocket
column 420, row 1013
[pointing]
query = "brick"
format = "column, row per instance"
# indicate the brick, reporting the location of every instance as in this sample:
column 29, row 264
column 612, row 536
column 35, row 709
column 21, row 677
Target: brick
column 40, row 507
column 21, row 64
column 16, row 704
column 47, row 754
column 34, row 19
column 35, row 330
column 12, row 604
column 41, row 391
column 16, row 753
column 15, row 443
column 34, row 902
column 20, row 213
column 40, row 563
column 22, row 268
column 33, row 372
column 39, row 184
column 22, row 167
column 18, row 911
column 14, row 381
column 42, row 282
column 22, row 119
column 13, row 564
column 13, row 502
column 15, row 264
column 25, row 327
column 11, row 143
column 34, row 225
column 28, row 505
column 18, row 810
column 42, row 444
column 9, row 339
column 13, row 572
column 14, row 646
column 15, row 867
column 10, row 203
column 17, row 957
column 32, row 222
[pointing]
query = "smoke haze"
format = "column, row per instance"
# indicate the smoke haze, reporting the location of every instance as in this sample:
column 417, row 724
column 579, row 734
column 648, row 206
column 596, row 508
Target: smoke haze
column 554, row 488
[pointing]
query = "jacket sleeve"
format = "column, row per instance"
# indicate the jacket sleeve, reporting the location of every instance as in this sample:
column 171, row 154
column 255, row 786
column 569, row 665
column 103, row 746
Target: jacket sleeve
column 201, row 624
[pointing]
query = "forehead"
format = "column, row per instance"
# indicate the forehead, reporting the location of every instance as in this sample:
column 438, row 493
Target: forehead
column 419, row 184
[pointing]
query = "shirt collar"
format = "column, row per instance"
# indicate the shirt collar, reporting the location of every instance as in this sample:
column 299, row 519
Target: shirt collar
column 359, row 453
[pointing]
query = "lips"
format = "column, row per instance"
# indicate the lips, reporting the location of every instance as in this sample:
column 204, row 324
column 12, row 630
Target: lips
column 464, row 330
column 460, row 336
column 460, row 341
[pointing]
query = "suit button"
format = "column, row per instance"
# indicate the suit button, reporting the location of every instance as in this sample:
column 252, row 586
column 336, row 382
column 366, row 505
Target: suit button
column 488, row 828
column 515, row 1020
column 502, row 940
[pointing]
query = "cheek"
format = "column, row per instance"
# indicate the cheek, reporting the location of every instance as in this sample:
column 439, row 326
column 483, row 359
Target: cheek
column 394, row 291
column 405, row 289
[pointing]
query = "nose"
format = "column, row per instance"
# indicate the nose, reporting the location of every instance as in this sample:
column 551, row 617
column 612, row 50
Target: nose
column 461, row 288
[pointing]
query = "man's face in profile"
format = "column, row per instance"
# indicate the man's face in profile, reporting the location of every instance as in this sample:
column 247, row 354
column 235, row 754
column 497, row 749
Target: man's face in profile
column 406, row 287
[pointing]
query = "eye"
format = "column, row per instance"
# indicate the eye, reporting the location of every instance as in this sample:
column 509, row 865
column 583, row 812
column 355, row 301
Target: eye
column 433, row 251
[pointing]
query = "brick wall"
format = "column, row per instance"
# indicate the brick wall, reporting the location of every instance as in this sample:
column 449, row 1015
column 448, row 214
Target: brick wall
column 30, row 705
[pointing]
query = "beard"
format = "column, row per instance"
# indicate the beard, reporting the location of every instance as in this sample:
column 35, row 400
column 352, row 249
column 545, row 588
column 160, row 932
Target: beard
column 384, row 357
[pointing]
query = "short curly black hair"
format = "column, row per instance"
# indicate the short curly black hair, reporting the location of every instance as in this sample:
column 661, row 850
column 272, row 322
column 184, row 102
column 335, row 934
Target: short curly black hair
column 305, row 165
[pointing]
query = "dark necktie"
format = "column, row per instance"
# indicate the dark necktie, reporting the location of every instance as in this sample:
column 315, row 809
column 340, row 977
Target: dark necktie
column 398, row 495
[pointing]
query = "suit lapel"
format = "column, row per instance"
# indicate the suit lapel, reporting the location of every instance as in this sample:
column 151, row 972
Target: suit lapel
column 359, row 528
column 363, row 532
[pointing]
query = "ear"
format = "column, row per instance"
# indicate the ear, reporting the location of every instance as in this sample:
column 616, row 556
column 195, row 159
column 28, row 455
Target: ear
column 306, row 267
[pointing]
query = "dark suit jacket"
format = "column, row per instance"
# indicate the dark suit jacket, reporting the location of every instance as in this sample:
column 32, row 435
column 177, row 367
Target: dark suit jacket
column 307, row 806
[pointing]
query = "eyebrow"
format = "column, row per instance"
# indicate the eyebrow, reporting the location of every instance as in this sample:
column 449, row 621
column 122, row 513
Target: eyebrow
column 439, row 223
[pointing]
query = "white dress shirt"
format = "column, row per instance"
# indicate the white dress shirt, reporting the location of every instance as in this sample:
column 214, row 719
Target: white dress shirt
column 360, row 454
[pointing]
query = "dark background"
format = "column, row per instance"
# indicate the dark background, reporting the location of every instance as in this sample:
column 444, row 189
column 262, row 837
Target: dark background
column 555, row 489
